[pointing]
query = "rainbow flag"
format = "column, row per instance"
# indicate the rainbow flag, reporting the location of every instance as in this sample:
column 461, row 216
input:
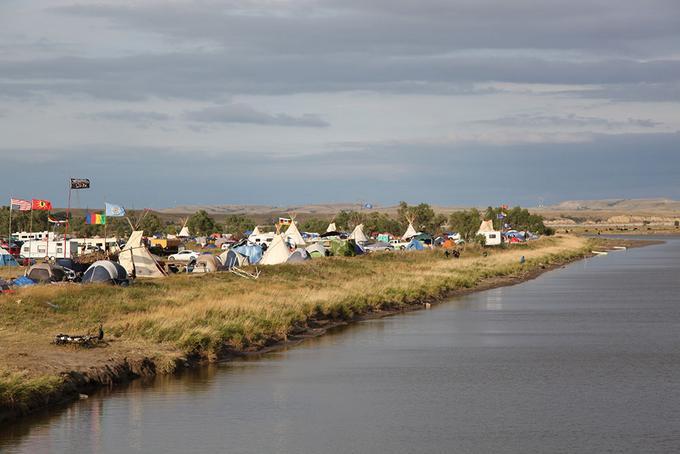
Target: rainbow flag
column 95, row 219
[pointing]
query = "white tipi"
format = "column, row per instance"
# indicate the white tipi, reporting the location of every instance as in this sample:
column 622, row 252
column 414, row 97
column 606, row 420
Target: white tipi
column 331, row 227
column 276, row 253
column 184, row 232
column 358, row 234
column 410, row 231
column 137, row 260
column 293, row 234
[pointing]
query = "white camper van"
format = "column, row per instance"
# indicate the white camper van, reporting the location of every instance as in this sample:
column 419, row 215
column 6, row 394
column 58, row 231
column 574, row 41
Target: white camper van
column 51, row 249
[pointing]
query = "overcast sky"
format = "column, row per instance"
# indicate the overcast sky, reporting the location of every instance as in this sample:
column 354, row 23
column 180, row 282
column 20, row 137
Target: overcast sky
column 282, row 102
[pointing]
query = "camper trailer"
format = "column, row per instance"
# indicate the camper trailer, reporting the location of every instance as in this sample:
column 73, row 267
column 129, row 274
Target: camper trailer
column 51, row 249
column 88, row 245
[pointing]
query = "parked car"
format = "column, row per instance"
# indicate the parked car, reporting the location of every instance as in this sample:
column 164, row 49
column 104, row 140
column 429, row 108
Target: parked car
column 377, row 246
column 185, row 256
column 399, row 244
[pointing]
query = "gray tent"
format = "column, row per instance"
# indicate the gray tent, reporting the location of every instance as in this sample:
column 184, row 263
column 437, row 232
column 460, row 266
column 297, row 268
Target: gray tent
column 46, row 272
column 207, row 263
column 316, row 250
column 299, row 255
column 105, row 272
column 231, row 259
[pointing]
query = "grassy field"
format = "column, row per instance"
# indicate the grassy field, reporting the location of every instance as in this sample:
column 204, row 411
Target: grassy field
column 208, row 314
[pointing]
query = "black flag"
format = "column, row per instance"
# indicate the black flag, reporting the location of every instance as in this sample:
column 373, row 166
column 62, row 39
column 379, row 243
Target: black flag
column 80, row 183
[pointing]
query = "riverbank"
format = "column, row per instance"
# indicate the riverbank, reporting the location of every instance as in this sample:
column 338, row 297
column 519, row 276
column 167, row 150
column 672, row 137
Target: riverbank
column 158, row 326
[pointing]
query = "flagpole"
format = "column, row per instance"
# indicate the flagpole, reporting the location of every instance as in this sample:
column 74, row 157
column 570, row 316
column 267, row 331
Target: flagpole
column 68, row 215
column 9, row 238
column 47, row 243
column 30, row 233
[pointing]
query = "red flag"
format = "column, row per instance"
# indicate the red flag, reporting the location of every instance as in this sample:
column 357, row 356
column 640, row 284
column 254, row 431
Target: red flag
column 41, row 205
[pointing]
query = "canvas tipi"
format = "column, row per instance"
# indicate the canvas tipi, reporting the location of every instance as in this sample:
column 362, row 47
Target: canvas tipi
column 137, row 260
column 184, row 232
column 331, row 227
column 358, row 234
column 410, row 231
column 277, row 252
column 293, row 234
column 486, row 227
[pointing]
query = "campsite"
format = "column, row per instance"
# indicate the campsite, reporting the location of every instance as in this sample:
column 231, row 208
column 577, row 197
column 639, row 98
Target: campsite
column 166, row 299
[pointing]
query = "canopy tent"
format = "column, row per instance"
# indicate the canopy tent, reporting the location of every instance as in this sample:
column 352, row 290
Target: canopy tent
column 231, row 259
column 299, row 255
column 358, row 234
column 137, row 260
column 46, row 272
column 316, row 250
column 105, row 272
column 410, row 232
column 207, row 263
column 6, row 258
column 252, row 251
column 276, row 253
column 331, row 227
column 293, row 235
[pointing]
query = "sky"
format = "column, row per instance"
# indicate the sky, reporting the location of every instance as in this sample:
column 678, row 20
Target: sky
column 451, row 102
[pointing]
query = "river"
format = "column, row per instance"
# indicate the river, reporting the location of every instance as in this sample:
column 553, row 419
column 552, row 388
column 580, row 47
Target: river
column 582, row 359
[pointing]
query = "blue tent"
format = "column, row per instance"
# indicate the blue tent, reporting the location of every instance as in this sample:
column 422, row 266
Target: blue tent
column 6, row 259
column 415, row 245
column 252, row 251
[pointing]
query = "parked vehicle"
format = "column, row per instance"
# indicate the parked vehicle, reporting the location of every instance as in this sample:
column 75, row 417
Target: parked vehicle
column 377, row 246
column 185, row 256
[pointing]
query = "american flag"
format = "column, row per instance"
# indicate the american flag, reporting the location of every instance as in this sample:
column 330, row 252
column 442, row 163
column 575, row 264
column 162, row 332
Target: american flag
column 20, row 204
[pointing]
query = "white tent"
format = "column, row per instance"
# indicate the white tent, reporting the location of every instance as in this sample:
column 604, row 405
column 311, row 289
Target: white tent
column 184, row 233
column 331, row 227
column 358, row 234
column 410, row 232
column 293, row 234
column 486, row 226
column 256, row 230
column 137, row 260
column 276, row 253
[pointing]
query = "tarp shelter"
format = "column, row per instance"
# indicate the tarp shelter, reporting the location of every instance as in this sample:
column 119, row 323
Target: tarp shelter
column 276, row 253
column 137, row 260
column 6, row 258
column 23, row 281
column 316, row 250
column 207, row 263
column 293, row 235
column 46, row 272
column 298, row 255
column 358, row 234
column 410, row 232
column 331, row 227
column 415, row 245
column 231, row 259
column 252, row 251
column 105, row 272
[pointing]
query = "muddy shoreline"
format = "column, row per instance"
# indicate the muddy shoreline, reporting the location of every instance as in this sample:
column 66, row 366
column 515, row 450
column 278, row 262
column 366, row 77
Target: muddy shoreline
column 119, row 371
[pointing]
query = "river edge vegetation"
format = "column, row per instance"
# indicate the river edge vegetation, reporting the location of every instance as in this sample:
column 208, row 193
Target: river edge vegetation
column 165, row 324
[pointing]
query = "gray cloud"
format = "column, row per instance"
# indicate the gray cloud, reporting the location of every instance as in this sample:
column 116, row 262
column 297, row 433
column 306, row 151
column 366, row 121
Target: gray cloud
column 131, row 116
column 572, row 120
column 241, row 113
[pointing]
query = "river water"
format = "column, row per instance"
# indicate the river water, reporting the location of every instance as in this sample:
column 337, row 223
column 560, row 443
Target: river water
column 582, row 359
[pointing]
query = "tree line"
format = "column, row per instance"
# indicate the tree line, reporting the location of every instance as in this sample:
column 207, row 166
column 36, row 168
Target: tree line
column 423, row 216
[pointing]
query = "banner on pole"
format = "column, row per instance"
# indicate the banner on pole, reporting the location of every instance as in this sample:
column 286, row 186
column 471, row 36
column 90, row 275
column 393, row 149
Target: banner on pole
column 95, row 219
column 80, row 183
column 54, row 220
column 20, row 204
column 41, row 205
column 114, row 211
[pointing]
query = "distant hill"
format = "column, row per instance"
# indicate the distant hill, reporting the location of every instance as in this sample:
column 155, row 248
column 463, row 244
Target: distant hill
column 659, row 205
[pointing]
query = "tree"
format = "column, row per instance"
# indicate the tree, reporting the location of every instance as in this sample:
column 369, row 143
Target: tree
column 423, row 216
column 314, row 225
column 466, row 223
column 236, row 224
column 151, row 224
column 200, row 223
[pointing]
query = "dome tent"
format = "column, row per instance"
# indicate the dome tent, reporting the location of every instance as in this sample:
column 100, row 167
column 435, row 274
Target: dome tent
column 207, row 263
column 316, row 250
column 46, row 272
column 231, row 259
column 6, row 258
column 299, row 255
column 105, row 272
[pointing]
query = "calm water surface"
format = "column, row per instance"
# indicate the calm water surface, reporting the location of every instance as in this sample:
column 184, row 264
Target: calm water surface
column 584, row 359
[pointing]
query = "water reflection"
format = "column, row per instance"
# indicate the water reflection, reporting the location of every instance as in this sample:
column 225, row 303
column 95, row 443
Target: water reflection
column 585, row 359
